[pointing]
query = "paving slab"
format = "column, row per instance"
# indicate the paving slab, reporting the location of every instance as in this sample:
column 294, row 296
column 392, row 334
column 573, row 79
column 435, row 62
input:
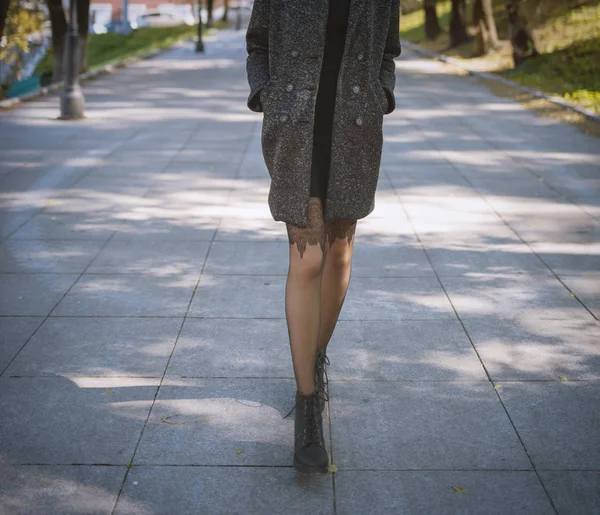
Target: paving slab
column 102, row 347
column 32, row 294
column 247, row 258
column 410, row 350
column 47, row 256
column 59, row 489
column 237, row 296
column 407, row 259
column 14, row 333
column 490, row 492
column 152, row 257
column 586, row 287
column 133, row 294
column 223, row 490
column 63, row 421
column 530, row 348
column 396, row 299
column 510, row 295
column 573, row 492
column 557, row 421
column 232, row 348
column 226, row 421
column 385, row 425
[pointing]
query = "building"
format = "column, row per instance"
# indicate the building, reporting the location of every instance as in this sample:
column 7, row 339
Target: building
column 105, row 11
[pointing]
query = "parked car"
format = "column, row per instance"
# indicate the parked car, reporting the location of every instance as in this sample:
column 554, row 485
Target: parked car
column 161, row 19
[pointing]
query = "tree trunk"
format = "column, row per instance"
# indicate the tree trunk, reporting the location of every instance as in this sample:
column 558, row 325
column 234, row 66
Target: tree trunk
column 209, row 13
column 225, row 10
column 3, row 13
column 83, row 21
column 59, row 38
column 483, row 19
column 432, row 25
column 458, row 28
column 520, row 37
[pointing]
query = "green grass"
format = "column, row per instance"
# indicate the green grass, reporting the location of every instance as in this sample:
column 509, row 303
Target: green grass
column 109, row 48
column 568, row 42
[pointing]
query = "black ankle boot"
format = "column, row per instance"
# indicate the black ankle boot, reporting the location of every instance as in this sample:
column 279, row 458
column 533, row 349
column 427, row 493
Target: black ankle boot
column 321, row 379
column 310, row 454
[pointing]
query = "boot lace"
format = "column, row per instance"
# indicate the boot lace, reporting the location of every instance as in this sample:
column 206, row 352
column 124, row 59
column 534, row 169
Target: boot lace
column 312, row 414
column 321, row 378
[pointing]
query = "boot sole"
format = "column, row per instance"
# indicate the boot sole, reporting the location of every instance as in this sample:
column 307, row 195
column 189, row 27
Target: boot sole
column 300, row 467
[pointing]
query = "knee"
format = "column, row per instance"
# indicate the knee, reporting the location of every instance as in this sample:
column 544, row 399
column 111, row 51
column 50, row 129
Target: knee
column 308, row 267
column 339, row 257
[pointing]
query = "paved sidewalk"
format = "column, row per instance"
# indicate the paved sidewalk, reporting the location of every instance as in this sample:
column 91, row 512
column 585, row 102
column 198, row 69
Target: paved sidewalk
column 143, row 346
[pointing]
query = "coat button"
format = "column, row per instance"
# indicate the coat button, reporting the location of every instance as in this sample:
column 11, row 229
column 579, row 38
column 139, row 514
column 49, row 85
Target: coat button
column 295, row 53
column 289, row 87
column 359, row 121
column 356, row 88
column 283, row 118
column 360, row 57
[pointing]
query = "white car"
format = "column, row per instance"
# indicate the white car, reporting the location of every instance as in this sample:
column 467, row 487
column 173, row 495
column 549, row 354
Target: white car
column 160, row 19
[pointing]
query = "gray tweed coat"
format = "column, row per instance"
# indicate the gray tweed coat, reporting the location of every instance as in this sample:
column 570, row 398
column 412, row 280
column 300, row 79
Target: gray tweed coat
column 285, row 43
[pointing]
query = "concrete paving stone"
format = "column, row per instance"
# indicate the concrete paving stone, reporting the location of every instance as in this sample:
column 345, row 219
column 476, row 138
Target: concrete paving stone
column 232, row 348
column 248, row 258
column 208, row 421
column 397, row 492
column 251, row 229
column 586, row 286
column 394, row 298
column 569, row 258
column 425, row 178
column 224, row 490
column 236, row 296
column 511, row 295
column 557, row 421
column 47, row 256
column 508, row 257
column 150, row 295
column 131, row 186
column 476, row 175
column 425, row 425
column 402, row 350
column 404, row 259
column 98, row 347
column 14, row 333
column 253, row 165
column 59, row 489
column 32, row 294
column 199, row 169
column 445, row 206
column 99, row 225
column 63, row 421
column 156, row 258
column 574, row 492
column 525, row 188
column 167, row 225
column 529, row 348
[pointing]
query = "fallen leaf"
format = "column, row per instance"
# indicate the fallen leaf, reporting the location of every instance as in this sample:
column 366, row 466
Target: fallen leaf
column 333, row 468
column 239, row 451
column 109, row 391
column 459, row 489
column 563, row 379
column 497, row 386
column 572, row 294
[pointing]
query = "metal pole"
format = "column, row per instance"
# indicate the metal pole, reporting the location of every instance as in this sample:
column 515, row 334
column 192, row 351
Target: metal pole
column 125, row 15
column 71, row 100
column 199, row 43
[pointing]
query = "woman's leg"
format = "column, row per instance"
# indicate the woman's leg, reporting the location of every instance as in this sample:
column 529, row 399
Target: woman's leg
column 303, row 294
column 336, row 275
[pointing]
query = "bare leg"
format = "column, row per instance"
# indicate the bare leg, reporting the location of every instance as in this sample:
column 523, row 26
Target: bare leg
column 336, row 275
column 303, row 294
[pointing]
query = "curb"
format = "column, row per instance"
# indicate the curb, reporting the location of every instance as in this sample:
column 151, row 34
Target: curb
column 490, row 76
column 101, row 70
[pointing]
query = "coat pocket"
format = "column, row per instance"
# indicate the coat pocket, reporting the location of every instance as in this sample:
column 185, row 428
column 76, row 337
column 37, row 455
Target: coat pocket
column 380, row 96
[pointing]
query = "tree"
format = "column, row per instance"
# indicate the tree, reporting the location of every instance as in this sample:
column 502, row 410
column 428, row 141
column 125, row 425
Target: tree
column 225, row 10
column 59, row 38
column 521, row 39
column 209, row 13
column 483, row 19
column 458, row 28
column 3, row 14
column 432, row 25
column 83, row 21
